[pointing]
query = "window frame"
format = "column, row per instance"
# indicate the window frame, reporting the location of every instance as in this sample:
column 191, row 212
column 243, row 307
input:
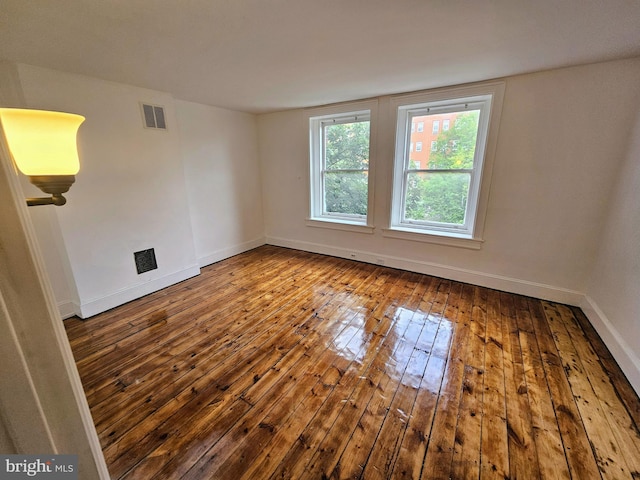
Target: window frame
column 316, row 118
column 405, row 108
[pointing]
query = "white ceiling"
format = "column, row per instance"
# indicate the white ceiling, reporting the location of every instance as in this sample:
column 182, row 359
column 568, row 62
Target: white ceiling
column 265, row 55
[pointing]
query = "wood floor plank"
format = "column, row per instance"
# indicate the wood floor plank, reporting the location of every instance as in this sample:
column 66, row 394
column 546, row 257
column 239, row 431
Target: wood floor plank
column 617, row 378
column 373, row 455
column 577, row 446
column 272, row 454
column 234, row 338
column 441, row 444
column 361, row 416
column 553, row 463
column 129, row 348
column 494, row 447
column 621, row 424
column 353, row 390
column 595, row 419
column 379, row 282
column 523, row 455
column 270, row 412
column 279, row 363
column 237, row 372
column 413, row 448
column 466, row 453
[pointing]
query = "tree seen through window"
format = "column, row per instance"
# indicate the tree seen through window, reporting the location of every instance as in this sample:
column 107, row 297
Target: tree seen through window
column 346, row 167
column 438, row 191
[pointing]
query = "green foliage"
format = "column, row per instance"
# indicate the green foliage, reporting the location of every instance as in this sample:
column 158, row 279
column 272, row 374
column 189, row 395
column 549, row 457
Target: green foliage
column 346, row 148
column 442, row 196
column 346, row 193
column 455, row 147
column 437, row 197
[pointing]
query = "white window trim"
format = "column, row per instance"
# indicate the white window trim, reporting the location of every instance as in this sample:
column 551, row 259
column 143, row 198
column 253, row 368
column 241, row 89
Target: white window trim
column 337, row 224
column 442, row 238
column 314, row 118
column 472, row 235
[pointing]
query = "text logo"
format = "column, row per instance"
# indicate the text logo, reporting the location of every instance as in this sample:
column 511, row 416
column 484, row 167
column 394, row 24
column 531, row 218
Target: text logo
column 50, row 467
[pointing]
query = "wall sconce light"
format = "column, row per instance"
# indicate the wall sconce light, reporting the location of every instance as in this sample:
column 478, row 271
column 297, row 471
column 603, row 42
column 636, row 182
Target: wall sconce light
column 43, row 145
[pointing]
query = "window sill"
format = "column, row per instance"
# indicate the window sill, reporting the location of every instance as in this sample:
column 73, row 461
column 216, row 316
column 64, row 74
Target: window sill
column 441, row 238
column 340, row 225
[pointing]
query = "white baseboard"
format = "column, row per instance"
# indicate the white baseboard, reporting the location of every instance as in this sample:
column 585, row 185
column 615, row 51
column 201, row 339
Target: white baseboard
column 489, row 280
column 68, row 309
column 121, row 297
column 615, row 342
column 230, row 252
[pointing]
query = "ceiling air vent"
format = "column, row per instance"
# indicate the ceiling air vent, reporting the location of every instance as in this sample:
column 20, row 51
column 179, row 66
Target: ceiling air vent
column 153, row 116
column 145, row 260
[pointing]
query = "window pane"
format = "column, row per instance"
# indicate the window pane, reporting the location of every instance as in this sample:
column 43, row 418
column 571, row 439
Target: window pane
column 346, row 192
column 437, row 197
column 159, row 111
column 451, row 148
column 347, row 146
column 149, row 118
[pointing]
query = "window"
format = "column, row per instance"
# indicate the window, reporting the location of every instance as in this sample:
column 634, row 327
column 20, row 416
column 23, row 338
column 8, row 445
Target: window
column 418, row 146
column 420, row 127
column 446, row 198
column 340, row 151
column 445, row 124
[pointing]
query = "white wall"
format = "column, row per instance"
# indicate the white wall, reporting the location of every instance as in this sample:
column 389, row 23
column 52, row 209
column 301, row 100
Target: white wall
column 560, row 134
column 130, row 194
column 613, row 296
column 222, row 171
column 47, row 228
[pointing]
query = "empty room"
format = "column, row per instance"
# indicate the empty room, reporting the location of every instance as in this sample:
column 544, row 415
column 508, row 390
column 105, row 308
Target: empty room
column 309, row 240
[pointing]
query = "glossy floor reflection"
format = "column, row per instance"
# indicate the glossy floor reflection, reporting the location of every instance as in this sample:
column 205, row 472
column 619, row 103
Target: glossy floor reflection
column 283, row 364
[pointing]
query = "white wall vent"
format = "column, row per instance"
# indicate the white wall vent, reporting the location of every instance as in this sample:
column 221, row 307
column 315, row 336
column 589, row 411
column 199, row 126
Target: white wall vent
column 153, row 116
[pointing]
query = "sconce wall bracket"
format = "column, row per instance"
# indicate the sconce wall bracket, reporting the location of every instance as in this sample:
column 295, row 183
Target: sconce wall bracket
column 56, row 185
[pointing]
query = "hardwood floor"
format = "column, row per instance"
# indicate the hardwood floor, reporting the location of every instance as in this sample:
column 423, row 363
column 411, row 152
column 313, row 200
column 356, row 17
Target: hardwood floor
column 283, row 364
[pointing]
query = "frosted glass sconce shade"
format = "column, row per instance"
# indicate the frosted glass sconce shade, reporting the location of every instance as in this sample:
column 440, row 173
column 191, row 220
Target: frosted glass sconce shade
column 43, row 145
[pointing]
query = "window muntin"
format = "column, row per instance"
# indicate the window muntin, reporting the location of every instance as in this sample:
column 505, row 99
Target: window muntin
column 340, row 151
column 439, row 194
